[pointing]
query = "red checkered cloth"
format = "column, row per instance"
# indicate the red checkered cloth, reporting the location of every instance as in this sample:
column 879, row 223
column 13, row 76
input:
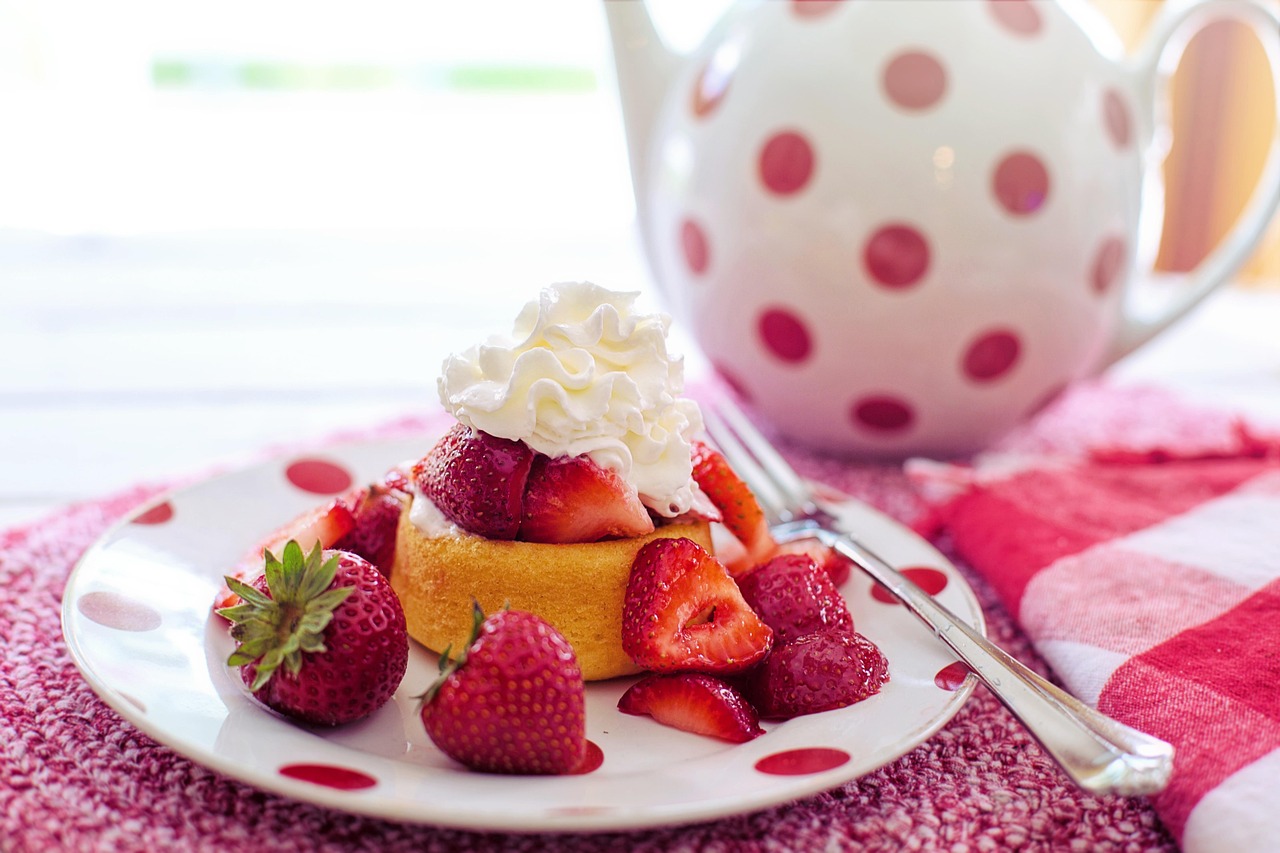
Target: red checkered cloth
column 1146, row 572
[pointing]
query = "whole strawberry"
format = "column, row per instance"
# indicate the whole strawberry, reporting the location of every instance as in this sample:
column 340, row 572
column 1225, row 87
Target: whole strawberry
column 513, row 702
column 794, row 597
column 821, row 671
column 320, row 637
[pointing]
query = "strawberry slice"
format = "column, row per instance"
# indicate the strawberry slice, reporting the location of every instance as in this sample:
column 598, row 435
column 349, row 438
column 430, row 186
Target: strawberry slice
column 738, row 506
column 376, row 515
column 572, row 499
column 693, row 702
column 795, row 597
column 476, row 480
column 324, row 525
column 683, row 612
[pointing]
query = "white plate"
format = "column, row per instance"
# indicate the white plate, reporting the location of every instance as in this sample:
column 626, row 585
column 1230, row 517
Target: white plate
column 136, row 616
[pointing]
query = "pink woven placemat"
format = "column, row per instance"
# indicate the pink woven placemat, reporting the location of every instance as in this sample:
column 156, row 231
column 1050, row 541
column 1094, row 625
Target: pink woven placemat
column 75, row 776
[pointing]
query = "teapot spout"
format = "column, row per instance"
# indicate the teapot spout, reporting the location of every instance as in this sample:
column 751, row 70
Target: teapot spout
column 644, row 68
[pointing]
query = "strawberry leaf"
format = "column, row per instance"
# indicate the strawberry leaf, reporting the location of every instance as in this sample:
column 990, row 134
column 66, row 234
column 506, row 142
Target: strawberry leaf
column 279, row 627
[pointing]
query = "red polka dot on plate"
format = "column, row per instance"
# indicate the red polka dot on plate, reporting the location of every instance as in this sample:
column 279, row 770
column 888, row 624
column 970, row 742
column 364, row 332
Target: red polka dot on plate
column 813, row 8
column 883, row 413
column 1107, row 264
column 113, row 610
column 1115, row 113
column 785, row 335
column 951, row 677
column 1017, row 16
column 896, row 256
column 330, row 776
column 914, row 80
column 158, row 514
column 693, row 244
column 592, row 760
column 1021, row 183
column 992, row 355
column 930, row 580
column 318, row 476
column 801, row 762
column 786, row 162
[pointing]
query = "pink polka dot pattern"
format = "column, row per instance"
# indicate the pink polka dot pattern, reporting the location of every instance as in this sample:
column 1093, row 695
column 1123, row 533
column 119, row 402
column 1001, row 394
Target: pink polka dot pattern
column 1021, row 183
column 693, row 244
column 710, row 88
column 330, row 776
column 158, row 514
column 592, row 760
column 786, row 163
column 318, row 476
column 813, row 8
column 801, row 762
column 1115, row 113
column 896, row 256
column 951, row 677
column 113, row 610
column 1107, row 264
column 1017, row 16
column 785, row 335
column 992, row 355
column 883, row 413
column 914, row 80
column 928, row 579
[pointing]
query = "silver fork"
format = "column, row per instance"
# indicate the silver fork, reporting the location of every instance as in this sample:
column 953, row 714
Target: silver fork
column 1098, row 753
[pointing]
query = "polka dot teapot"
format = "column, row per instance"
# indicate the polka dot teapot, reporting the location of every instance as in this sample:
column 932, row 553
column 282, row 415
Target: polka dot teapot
column 903, row 227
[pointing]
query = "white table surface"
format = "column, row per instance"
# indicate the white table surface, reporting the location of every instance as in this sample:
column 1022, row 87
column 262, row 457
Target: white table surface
column 148, row 358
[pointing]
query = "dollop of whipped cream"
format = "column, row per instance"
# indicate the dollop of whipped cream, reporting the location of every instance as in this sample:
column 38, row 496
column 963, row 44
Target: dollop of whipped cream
column 583, row 372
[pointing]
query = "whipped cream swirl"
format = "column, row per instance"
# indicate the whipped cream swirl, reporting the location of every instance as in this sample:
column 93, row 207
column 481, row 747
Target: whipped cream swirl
column 584, row 373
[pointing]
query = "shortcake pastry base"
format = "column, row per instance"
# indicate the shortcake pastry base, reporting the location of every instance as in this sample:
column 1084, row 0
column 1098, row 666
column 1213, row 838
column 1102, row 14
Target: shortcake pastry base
column 578, row 588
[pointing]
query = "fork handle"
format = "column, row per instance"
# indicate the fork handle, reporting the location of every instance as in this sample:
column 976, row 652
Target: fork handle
column 1100, row 754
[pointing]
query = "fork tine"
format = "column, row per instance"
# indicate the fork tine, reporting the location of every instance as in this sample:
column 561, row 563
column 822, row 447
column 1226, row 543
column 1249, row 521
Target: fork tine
column 795, row 494
column 745, row 465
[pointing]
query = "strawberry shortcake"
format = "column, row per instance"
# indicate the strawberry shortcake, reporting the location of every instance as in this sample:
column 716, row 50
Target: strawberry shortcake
column 573, row 449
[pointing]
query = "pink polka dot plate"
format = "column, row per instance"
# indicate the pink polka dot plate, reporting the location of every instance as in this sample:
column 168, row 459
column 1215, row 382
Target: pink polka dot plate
column 160, row 664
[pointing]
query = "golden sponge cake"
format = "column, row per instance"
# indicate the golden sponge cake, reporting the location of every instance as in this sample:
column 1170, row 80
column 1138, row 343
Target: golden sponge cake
column 578, row 588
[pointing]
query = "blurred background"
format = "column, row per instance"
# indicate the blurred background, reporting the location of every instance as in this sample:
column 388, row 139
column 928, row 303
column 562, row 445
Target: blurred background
column 227, row 225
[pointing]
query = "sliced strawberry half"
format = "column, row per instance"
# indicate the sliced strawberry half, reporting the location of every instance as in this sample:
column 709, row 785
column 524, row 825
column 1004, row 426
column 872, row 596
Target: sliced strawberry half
column 323, row 524
column 738, row 507
column 476, row 480
column 376, row 515
column 572, row 499
column 683, row 612
column 694, row 702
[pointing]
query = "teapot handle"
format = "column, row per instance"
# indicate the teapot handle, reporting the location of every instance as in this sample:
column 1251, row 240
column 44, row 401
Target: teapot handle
column 1173, row 28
